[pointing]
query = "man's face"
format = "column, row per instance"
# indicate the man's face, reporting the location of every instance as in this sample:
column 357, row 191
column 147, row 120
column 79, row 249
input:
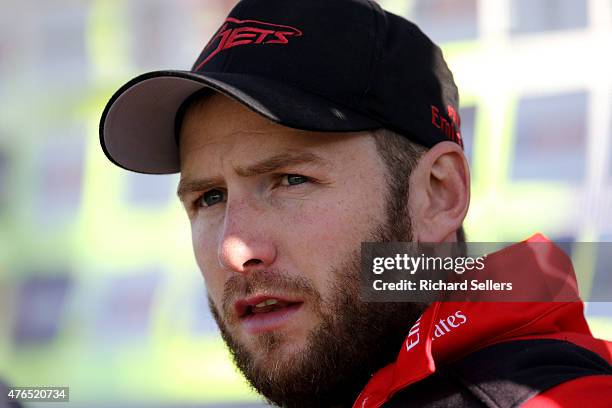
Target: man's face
column 277, row 218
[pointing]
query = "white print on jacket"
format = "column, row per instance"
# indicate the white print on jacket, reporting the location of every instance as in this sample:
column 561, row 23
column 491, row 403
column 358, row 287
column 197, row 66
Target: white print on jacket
column 443, row 327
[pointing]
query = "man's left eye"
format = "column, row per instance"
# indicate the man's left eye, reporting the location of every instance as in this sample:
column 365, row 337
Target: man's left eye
column 293, row 179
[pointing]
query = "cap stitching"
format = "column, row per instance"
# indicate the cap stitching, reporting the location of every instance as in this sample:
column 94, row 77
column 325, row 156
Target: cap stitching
column 376, row 52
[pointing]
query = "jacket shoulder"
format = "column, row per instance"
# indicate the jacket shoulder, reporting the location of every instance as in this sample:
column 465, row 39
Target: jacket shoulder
column 591, row 391
column 506, row 374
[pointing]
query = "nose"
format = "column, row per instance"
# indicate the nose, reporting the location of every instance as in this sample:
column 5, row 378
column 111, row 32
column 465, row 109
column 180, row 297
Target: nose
column 244, row 246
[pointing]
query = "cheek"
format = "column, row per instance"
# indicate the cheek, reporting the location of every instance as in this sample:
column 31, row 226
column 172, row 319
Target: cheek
column 327, row 234
column 205, row 251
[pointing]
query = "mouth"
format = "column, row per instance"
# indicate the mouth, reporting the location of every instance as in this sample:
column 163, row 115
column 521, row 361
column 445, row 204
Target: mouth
column 263, row 313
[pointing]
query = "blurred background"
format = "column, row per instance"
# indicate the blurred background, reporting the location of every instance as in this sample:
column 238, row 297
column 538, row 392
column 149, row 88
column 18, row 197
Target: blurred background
column 98, row 287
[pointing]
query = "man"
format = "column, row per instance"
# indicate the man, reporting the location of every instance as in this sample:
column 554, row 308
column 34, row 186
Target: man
column 304, row 129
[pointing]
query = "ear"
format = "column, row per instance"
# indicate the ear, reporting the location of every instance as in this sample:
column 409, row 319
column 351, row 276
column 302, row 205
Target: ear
column 439, row 194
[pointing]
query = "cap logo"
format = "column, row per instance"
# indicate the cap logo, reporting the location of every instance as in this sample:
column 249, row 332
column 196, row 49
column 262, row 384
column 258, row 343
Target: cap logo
column 236, row 32
column 450, row 128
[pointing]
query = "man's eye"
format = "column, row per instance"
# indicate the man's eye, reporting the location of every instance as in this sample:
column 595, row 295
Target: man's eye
column 294, row 179
column 210, row 198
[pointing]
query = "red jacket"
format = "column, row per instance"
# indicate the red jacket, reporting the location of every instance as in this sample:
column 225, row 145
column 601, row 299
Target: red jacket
column 451, row 331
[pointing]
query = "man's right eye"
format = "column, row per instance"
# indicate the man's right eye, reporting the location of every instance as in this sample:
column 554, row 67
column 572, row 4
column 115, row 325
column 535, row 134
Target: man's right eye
column 210, row 198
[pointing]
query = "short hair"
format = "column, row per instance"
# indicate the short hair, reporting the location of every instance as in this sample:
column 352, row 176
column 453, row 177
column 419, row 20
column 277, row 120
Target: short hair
column 401, row 156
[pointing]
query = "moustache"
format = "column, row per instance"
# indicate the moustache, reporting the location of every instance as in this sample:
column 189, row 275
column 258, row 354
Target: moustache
column 265, row 282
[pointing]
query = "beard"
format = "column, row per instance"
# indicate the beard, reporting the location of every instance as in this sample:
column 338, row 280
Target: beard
column 352, row 341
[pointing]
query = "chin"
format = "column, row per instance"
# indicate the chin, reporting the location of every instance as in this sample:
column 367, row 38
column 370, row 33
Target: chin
column 277, row 347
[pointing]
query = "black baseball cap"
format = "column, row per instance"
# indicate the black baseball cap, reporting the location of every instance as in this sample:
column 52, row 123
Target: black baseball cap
column 319, row 65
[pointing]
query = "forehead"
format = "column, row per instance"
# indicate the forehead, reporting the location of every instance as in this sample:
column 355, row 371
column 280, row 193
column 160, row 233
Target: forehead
column 218, row 127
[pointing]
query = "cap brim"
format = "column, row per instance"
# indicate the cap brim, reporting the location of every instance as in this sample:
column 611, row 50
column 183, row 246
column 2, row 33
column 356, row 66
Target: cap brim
column 137, row 129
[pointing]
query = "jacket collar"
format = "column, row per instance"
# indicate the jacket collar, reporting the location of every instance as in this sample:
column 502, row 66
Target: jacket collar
column 449, row 330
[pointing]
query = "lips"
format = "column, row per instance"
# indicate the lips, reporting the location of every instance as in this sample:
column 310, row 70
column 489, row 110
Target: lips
column 264, row 313
column 262, row 304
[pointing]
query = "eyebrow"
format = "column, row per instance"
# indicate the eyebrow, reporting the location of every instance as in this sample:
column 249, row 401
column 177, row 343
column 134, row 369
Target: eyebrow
column 268, row 165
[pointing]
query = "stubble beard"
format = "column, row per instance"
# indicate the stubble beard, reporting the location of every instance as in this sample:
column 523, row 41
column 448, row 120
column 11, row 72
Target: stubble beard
column 353, row 340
